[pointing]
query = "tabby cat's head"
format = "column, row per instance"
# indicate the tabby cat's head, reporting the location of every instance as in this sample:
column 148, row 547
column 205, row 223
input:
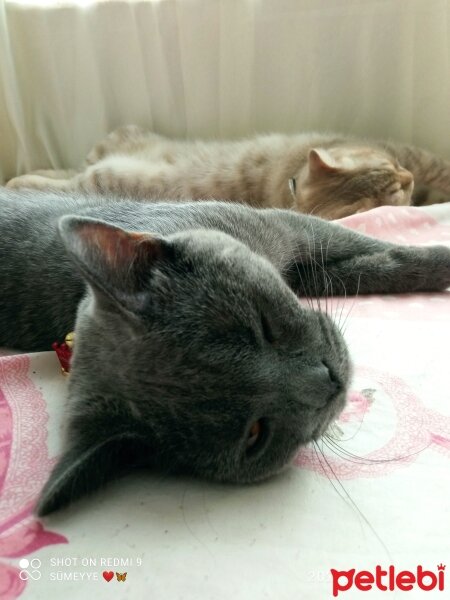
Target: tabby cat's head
column 192, row 355
column 344, row 180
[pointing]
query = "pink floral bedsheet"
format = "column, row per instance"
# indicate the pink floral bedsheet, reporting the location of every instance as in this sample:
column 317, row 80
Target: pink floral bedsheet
column 376, row 492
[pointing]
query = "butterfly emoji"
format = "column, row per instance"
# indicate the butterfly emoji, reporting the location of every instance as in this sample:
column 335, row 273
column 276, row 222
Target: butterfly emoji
column 121, row 576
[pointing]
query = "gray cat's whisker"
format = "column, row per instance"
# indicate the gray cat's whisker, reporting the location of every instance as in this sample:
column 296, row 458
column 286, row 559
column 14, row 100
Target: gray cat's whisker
column 305, row 278
column 339, row 439
column 344, row 303
column 332, row 315
column 340, row 309
column 347, row 455
column 325, row 282
column 314, row 265
column 294, row 256
column 342, row 329
column 348, row 498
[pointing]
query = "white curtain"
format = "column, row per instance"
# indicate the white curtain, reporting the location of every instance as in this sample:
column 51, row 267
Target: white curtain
column 72, row 71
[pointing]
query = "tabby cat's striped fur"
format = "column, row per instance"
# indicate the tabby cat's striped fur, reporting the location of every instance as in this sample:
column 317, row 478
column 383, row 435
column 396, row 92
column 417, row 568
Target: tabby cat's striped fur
column 330, row 176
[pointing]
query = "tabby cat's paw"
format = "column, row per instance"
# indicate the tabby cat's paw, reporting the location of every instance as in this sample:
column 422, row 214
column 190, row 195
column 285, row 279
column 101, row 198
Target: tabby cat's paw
column 38, row 182
column 27, row 181
column 55, row 173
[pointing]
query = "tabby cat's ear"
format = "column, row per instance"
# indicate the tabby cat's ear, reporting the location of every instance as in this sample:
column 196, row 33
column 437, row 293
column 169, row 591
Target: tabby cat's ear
column 114, row 261
column 85, row 467
column 321, row 163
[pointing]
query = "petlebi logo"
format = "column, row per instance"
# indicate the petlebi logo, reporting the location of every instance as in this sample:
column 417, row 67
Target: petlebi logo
column 388, row 580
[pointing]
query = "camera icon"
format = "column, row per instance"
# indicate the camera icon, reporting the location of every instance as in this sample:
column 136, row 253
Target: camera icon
column 33, row 565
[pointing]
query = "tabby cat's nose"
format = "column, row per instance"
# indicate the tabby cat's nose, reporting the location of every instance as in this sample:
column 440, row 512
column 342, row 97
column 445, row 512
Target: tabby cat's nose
column 406, row 178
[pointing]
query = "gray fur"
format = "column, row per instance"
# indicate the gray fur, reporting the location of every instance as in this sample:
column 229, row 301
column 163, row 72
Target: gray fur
column 187, row 336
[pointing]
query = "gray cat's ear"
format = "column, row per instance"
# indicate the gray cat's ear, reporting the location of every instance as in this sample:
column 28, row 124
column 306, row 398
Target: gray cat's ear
column 81, row 470
column 114, row 261
column 321, row 163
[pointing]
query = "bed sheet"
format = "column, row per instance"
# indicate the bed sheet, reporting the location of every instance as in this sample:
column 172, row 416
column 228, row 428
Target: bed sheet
column 377, row 495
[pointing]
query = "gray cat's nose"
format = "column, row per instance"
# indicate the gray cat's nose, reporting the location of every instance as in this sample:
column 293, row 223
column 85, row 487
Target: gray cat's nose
column 333, row 380
column 323, row 385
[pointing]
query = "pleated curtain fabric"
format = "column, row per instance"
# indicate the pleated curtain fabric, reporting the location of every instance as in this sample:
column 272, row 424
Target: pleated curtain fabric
column 72, row 71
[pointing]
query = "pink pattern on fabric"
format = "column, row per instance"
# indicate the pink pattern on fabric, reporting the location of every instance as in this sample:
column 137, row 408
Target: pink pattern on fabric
column 358, row 404
column 399, row 224
column 441, row 441
column 24, row 467
column 417, row 429
column 11, row 586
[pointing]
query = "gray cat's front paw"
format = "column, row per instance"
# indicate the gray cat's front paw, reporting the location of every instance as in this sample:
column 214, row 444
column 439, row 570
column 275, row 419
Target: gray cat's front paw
column 425, row 268
column 439, row 258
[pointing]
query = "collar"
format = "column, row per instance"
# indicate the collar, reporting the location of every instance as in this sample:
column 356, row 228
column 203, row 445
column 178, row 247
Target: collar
column 64, row 352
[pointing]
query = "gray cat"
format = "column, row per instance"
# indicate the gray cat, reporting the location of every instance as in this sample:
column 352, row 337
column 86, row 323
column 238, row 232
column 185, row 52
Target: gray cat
column 193, row 353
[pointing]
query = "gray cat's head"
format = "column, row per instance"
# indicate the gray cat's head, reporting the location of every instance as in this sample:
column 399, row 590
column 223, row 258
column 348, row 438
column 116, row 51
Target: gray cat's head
column 191, row 355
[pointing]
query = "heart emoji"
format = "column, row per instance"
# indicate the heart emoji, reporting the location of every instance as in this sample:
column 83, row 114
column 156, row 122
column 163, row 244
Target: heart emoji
column 108, row 575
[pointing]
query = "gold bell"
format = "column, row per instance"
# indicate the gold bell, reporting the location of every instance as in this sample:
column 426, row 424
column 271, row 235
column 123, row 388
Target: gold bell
column 69, row 339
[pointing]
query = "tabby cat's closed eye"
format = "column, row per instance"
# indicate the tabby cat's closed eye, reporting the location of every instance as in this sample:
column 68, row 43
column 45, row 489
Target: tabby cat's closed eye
column 293, row 186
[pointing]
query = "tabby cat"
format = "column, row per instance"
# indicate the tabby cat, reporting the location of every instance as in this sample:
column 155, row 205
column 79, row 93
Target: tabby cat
column 192, row 351
column 326, row 175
